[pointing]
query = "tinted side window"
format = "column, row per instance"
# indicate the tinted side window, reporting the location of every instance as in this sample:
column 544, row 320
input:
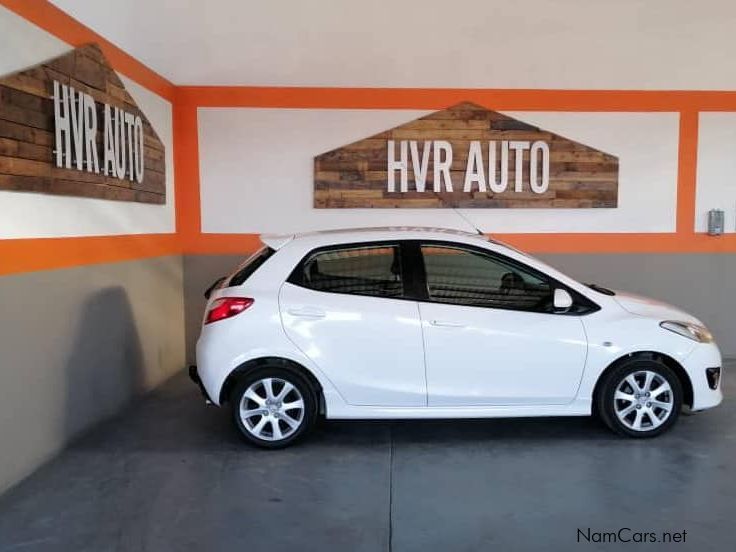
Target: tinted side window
column 370, row 270
column 468, row 277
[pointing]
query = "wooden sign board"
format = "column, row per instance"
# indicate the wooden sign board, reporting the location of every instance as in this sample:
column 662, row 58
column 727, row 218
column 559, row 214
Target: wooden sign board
column 69, row 127
column 466, row 156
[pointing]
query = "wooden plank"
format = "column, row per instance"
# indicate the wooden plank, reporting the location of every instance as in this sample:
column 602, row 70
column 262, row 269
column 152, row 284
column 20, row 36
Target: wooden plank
column 446, row 124
column 22, row 133
column 154, row 165
column 18, row 183
column 23, row 167
column 154, row 182
column 89, row 72
column 356, row 174
column 24, row 100
column 63, row 65
column 27, row 135
column 146, row 197
column 24, row 150
column 26, row 117
column 74, row 188
column 27, row 83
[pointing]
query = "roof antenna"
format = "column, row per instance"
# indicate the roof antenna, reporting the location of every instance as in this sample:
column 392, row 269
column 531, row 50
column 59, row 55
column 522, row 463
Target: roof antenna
column 466, row 219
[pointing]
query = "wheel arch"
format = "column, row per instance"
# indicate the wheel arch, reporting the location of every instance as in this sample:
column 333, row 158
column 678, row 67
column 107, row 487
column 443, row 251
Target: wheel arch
column 671, row 363
column 254, row 363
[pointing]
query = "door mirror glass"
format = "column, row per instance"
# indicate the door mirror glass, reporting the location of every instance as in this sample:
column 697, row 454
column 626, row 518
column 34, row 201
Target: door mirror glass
column 562, row 300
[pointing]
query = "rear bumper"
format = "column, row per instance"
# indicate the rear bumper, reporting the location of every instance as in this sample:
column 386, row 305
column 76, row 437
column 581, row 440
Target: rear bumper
column 194, row 376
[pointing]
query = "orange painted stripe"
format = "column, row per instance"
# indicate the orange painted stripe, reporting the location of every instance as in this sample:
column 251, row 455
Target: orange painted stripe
column 28, row 255
column 56, row 22
column 186, row 170
column 440, row 98
column 687, row 177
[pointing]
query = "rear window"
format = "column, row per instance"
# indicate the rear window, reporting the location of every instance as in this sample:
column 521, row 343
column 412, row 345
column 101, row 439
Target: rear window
column 249, row 266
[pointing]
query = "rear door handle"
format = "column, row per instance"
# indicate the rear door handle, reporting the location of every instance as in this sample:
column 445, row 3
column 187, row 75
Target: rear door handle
column 447, row 324
column 307, row 312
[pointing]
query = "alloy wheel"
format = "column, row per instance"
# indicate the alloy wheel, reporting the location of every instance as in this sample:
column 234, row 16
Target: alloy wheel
column 643, row 400
column 271, row 409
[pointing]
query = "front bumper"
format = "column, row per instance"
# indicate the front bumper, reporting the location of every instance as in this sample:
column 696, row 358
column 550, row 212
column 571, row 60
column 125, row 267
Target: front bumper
column 703, row 357
column 194, row 376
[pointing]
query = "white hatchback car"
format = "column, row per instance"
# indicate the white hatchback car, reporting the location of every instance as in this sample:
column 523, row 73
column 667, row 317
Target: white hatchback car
column 392, row 323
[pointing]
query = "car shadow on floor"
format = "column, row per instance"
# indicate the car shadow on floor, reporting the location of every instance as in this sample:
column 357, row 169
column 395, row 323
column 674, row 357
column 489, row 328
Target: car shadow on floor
column 175, row 418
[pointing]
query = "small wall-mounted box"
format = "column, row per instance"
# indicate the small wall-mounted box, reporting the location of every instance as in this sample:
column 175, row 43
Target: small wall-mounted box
column 715, row 222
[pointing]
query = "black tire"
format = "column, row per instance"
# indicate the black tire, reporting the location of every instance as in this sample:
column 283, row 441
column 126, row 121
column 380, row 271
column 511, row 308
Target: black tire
column 305, row 390
column 607, row 404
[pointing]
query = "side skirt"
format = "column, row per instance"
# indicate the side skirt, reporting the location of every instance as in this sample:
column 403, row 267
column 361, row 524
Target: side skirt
column 578, row 407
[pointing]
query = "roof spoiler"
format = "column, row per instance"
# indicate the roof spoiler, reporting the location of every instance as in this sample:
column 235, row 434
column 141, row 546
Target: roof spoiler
column 276, row 241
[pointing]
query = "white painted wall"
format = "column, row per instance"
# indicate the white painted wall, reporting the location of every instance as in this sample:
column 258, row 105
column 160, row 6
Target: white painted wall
column 32, row 215
column 639, row 44
column 716, row 169
column 256, row 172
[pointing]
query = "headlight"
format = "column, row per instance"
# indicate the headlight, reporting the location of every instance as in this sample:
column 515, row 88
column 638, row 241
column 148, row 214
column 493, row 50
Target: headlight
column 692, row 331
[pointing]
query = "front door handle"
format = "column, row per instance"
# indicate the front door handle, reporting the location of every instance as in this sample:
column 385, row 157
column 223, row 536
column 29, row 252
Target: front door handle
column 447, row 324
column 307, row 312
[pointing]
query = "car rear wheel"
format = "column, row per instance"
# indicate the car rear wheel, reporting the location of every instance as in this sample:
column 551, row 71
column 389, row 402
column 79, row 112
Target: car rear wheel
column 640, row 398
column 273, row 407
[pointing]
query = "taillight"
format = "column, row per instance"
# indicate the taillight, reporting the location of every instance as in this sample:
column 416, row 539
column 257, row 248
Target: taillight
column 227, row 307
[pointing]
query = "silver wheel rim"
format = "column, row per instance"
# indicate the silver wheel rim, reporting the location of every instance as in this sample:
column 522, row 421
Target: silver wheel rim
column 643, row 401
column 271, row 409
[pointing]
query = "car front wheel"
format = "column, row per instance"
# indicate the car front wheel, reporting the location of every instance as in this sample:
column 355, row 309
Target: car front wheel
column 273, row 407
column 640, row 398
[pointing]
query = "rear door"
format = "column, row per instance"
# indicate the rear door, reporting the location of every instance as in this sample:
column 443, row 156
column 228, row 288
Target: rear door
column 345, row 308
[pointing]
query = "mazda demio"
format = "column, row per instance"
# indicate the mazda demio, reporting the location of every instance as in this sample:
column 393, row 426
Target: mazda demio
column 410, row 323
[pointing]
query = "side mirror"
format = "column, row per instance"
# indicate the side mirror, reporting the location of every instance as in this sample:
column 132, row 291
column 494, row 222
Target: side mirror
column 562, row 300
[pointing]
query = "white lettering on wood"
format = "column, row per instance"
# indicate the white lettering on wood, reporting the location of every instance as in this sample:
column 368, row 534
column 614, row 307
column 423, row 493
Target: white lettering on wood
column 474, row 169
column 538, row 148
column 442, row 163
column 75, row 122
column 535, row 164
column 420, row 166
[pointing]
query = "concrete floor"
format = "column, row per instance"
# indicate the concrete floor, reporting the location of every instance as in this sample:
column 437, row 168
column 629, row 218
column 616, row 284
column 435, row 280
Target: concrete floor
column 171, row 474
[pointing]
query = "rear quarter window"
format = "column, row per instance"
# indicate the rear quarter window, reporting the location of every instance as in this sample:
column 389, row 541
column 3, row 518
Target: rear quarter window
column 249, row 266
column 373, row 270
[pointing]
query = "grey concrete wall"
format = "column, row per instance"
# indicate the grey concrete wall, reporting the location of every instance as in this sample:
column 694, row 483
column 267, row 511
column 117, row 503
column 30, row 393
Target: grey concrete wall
column 703, row 284
column 76, row 345
column 199, row 273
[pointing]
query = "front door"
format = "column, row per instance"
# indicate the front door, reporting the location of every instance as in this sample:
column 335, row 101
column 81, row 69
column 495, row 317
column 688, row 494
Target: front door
column 490, row 335
column 344, row 308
